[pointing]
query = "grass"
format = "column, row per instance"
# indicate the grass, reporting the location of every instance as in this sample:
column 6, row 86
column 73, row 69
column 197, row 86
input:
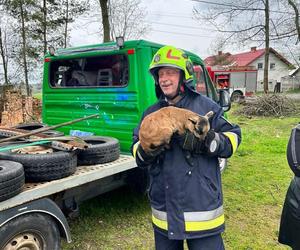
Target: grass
column 291, row 91
column 38, row 95
column 254, row 187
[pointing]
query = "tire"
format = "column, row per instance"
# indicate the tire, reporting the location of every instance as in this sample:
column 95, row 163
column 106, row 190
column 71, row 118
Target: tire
column 44, row 167
column 30, row 126
column 30, row 231
column 9, row 170
column 36, row 125
column 102, row 150
column 236, row 96
column 12, row 179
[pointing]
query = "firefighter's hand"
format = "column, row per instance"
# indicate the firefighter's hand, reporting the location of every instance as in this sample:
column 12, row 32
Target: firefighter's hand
column 188, row 141
column 211, row 143
column 143, row 158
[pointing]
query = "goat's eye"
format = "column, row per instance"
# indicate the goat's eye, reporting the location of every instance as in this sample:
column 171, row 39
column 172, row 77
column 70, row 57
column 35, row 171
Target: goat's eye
column 192, row 121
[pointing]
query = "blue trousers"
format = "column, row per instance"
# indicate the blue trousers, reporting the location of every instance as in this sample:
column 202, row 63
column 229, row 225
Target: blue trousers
column 208, row 243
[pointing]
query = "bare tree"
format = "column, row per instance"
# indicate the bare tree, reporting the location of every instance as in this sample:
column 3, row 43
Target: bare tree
column 71, row 10
column 3, row 55
column 9, row 43
column 247, row 21
column 297, row 23
column 122, row 18
column 104, row 5
column 21, row 11
column 127, row 19
column 51, row 22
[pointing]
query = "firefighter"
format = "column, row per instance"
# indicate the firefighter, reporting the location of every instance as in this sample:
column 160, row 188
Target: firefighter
column 289, row 229
column 185, row 182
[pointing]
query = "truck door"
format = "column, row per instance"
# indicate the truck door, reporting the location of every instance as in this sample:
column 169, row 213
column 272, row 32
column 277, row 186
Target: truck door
column 203, row 83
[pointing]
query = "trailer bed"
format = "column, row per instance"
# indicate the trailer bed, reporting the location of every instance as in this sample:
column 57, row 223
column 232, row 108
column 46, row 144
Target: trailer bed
column 83, row 175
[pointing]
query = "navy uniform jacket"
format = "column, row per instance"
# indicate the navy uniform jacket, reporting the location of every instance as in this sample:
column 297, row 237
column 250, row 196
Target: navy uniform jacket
column 186, row 197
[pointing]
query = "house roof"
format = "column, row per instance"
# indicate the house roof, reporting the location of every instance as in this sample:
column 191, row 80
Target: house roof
column 294, row 71
column 246, row 58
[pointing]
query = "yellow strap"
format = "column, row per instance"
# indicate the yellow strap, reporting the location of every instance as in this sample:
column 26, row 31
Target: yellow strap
column 160, row 223
column 134, row 149
column 191, row 226
column 233, row 140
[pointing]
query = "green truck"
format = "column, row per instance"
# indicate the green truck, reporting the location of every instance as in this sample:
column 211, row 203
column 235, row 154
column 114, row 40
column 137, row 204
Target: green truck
column 111, row 80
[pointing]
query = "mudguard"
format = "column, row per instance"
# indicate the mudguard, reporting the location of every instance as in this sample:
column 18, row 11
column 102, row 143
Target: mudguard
column 44, row 205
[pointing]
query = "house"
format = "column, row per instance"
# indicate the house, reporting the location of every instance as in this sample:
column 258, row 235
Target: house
column 292, row 81
column 279, row 66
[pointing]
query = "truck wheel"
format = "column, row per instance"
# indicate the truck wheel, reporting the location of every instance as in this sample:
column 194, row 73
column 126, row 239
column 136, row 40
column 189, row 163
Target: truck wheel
column 236, row 96
column 12, row 179
column 102, row 150
column 44, row 167
column 30, row 232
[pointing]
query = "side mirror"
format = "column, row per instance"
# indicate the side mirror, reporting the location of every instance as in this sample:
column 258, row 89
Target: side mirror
column 224, row 99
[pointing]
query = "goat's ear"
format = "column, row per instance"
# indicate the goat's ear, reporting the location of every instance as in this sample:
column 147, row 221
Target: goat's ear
column 209, row 114
column 194, row 119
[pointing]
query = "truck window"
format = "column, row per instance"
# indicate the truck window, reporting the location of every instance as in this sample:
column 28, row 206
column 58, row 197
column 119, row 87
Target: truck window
column 204, row 84
column 100, row 71
column 200, row 80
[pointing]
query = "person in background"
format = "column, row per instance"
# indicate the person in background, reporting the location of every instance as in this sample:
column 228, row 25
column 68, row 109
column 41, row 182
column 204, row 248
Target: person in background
column 185, row 183
column 289, row 231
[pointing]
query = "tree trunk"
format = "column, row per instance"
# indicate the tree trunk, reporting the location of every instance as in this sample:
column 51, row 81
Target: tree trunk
column 3, row 58
column 66, row 24
column 296, row 18
column 267, row 46
column 105, row 20
column 45, row 26
column 24, row 49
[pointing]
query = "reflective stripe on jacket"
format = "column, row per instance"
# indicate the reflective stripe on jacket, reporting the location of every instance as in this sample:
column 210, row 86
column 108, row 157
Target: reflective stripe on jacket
column 186, row 194
column 193, row 221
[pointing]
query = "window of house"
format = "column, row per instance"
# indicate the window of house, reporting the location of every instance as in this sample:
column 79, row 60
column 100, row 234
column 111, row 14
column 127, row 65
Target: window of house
column 272, row 65
column 100, row 71
column 259, row 65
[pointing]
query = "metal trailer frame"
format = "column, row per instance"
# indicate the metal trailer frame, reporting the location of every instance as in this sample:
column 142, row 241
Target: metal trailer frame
column 47, row 197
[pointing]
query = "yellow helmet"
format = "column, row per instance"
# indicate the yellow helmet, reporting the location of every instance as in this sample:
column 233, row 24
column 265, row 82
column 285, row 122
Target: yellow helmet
column 169, row 56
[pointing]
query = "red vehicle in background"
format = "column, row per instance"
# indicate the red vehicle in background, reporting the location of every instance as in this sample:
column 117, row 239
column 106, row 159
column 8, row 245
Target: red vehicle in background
column 239, row 81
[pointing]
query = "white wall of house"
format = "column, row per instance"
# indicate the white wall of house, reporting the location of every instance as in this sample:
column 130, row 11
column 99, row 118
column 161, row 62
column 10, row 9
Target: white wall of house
column 280, row 70
column 291, row 81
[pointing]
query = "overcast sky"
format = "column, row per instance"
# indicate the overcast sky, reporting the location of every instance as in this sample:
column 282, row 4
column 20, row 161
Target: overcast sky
column 171, row 22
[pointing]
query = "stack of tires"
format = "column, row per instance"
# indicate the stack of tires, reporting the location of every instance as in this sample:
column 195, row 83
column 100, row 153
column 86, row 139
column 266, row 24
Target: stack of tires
column 41, row 164
column 45, row 165
column 12, row 179
column 101, row 149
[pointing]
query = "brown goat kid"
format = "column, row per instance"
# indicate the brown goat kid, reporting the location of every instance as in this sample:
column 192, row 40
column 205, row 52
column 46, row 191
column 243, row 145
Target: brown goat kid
column 158, row 127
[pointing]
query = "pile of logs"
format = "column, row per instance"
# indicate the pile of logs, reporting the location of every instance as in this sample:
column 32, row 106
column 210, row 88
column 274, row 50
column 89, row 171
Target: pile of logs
column 17, row 108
